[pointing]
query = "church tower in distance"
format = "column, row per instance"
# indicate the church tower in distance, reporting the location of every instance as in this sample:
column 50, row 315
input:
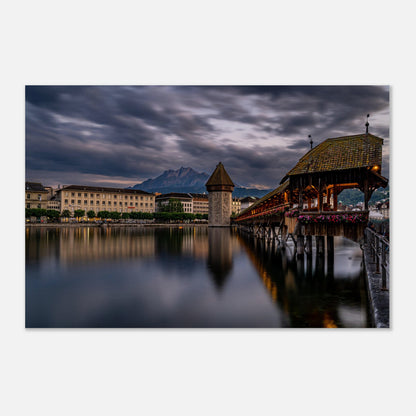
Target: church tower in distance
column 220, row 188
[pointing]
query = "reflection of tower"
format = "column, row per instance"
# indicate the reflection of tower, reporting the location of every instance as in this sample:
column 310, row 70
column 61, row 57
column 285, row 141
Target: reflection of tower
column 220, row 188
column 220, row 255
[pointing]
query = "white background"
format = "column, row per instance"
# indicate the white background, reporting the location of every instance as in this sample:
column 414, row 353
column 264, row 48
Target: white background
column 207, row 372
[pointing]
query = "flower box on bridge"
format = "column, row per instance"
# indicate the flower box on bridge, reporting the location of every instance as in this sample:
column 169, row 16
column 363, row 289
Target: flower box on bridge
column 350, row 224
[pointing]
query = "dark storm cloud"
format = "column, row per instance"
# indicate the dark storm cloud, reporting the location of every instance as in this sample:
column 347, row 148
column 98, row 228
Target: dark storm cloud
column 133, row 133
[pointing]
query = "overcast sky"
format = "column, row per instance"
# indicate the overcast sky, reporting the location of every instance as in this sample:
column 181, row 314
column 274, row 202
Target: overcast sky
column 122, row 135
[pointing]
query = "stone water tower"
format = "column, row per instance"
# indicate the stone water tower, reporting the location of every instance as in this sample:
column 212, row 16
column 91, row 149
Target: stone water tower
column 220, row 188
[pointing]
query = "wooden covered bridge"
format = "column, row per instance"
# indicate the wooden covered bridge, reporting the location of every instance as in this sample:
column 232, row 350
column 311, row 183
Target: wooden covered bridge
column 305, row 203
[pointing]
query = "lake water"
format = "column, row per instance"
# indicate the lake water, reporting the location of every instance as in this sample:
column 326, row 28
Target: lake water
column 186, row 277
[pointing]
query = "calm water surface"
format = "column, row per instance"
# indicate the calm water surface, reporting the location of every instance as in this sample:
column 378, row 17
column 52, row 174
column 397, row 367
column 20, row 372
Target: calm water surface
column 186, row 277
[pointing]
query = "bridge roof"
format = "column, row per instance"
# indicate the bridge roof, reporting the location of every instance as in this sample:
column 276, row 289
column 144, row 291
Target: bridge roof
column 340, row 153
column 276, row 191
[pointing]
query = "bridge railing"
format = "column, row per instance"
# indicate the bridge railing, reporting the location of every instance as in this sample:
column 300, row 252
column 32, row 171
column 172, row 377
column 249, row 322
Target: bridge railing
column 380, row 250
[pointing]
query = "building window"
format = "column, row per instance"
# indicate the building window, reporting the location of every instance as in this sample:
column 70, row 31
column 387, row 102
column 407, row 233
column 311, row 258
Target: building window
column 131, row 196
column 66, row 201
column 141, row 198
column 92, row 195
column 103, row 202
column 91, row 202
column 97, row 195
column 39, row 197
column 145, row 204
column 125, row 203
column 126, row 197
column 72, row 201
column 79, row 193
column 109, row 202
column 28, row 196
column 85, row 202
column 141, row 204
column 136, row 204
column 98, row 203
column 121, row 204
column 72, row 193
column 115, row 196
column 151, row 204
column 137, row 197
column 28, row 206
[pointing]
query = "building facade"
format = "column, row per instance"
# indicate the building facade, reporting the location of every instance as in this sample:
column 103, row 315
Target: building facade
column 185, row 199
column 36, row 196
column 200, row 203
column 93, row 198
column 235, row 206
column 247, row 202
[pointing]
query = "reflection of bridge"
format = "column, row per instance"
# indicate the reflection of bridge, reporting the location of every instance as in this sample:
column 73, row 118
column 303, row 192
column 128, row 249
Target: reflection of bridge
column 305, row 204
column 305, row 291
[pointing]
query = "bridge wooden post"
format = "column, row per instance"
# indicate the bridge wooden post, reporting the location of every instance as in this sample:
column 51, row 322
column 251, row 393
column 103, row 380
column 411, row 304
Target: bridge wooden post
column 320, row 197
column 300, row 200
column 335, row 198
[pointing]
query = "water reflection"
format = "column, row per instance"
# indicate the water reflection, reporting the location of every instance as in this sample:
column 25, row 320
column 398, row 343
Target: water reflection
column 306, row 290
column 185, row 277
column 220, row 255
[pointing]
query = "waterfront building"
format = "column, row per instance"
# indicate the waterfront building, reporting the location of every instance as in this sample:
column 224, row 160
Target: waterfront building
column 54, row 203
column 36, row 196
column 235, row 206
column 385, row 209
column 220, row 188
column 247, row 202
column 200, row 203
column 183, row 198
column 98, row 198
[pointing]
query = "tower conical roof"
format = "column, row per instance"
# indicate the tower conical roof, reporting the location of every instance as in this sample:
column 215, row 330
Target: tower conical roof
column 219, row 177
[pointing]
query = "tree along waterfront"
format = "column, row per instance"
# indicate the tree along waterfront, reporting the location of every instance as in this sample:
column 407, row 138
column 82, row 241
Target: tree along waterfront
column 81, row 216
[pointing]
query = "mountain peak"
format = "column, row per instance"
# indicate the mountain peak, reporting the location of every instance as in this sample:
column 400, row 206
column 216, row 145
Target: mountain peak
column 186, row 179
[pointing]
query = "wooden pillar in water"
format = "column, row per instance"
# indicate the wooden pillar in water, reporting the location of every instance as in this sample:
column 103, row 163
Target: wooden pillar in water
column 300, row 247
column 330, row 244
column 309, row 244
column 330, row 255
column 320, row 245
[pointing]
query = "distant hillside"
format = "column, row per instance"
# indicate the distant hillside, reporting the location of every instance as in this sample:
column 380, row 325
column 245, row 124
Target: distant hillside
column 189, row 180
column 353, row 196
